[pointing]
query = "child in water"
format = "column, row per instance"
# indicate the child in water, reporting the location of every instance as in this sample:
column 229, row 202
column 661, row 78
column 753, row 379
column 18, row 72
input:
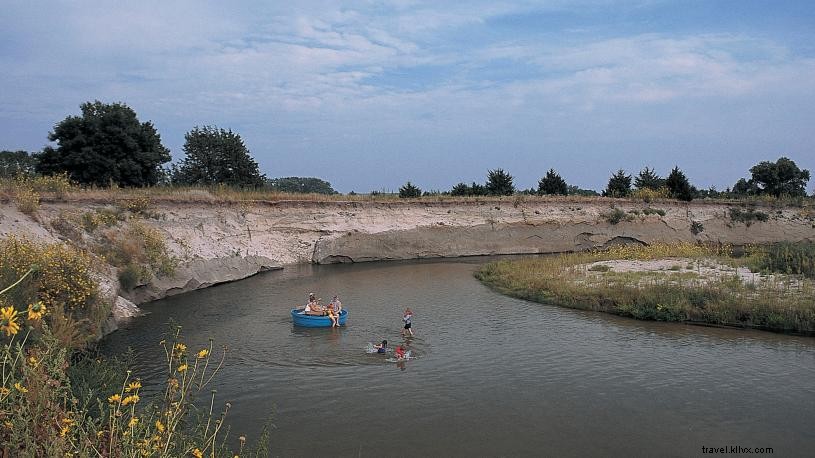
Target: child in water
column 382, row 348
column 407, row 317
column 400, row 352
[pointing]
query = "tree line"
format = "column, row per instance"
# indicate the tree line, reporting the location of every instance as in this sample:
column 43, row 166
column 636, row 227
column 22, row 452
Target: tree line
column 108, row 145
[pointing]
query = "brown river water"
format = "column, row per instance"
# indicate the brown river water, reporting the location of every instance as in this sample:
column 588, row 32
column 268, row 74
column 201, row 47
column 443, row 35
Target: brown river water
column 493, row 376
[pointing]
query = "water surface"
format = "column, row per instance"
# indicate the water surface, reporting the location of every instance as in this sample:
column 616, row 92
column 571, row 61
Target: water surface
column 495, row 376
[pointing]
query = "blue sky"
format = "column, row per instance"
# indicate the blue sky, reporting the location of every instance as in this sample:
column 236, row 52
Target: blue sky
column 370, row 94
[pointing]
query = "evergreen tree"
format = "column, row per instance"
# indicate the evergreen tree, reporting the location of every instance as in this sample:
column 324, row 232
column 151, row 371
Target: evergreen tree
column 552, row 183
column 499, row 183
column 648, row 179
column 619, row 185
column 679, row 186
column 107, row 144
column 216, row 156
column 478, row 189
column 409, row 190
column 461, row 189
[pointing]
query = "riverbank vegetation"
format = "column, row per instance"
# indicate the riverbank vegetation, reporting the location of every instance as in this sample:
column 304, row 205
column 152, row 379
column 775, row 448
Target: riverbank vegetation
column 56, row 399
column 769, row 288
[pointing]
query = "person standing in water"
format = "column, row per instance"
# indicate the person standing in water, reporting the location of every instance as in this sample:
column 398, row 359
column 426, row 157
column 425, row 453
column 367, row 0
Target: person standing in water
column 407, row 317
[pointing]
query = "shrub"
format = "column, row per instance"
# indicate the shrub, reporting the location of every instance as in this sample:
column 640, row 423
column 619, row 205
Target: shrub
column 599, row 268
column 616, row 215
column 648, row 194
column 103, row 216
column 129, row 277
column 696, row 227
column 139, row 205
column 788, row 258
column 651, row 211
column 27, row 200
column 747, row 216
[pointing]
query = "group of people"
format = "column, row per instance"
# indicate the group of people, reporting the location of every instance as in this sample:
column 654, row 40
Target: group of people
column 332, row 310
column 401, row 350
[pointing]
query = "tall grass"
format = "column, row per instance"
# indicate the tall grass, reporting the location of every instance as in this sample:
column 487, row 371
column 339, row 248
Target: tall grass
column 777, row 303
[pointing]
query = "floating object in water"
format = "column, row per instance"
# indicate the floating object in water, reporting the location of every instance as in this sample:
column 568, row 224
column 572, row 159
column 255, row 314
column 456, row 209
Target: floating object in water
column 299, row 318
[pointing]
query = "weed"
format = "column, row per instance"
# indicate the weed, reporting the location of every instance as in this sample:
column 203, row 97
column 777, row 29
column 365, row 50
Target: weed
column 696, row 227
column 747, row 216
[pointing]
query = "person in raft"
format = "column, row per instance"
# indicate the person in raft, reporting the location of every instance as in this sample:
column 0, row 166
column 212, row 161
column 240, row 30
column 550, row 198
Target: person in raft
column 407, row 317
column 337, row 304
column 313, row 307
column 382, row 348
column 333, row 315
column 400, row 352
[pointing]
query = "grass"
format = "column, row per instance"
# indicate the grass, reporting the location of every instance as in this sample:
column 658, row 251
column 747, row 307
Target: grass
column 780, row 303
column 747, row 216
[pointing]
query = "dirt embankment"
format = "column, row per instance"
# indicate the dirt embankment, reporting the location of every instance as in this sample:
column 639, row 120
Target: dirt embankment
column 218, row 242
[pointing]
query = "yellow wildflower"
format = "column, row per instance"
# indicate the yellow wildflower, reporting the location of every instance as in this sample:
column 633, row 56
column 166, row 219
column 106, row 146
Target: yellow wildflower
column 4, row 391
column 180, row 348
column 133, row 386
column 159, row 426
column 36, row 311
column 20, row 388
column 8, row 424
column 173, row 383
column 133, row 422
column 203, row 353
column 132, row 399
column 63, row 431
column 197, row 453
column 182, row 368
column 8, row 321
column 33, row 361
column 115, row 398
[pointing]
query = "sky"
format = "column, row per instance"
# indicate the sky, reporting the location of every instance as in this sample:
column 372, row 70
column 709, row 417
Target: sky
column 370, row 94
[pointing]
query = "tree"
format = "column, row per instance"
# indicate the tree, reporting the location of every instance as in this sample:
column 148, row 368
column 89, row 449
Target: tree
column 216, row 156
column 619, row 185
column 744, row 187
column 17, row 163
column 107, row 144
column 301, row 185
column 678, row 185
column 648, row 179
column 409, row 190
column 782, row 177
column 577, row 191
column 461, row 189
column 552, row 183
column 499, row 183
column 478, row 189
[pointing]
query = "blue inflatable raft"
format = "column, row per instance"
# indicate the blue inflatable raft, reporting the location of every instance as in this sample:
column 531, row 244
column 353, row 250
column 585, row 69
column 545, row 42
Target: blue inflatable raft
column 312, row 321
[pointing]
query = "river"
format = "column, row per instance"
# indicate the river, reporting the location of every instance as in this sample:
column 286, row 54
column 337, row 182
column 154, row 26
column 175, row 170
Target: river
column 493, row 375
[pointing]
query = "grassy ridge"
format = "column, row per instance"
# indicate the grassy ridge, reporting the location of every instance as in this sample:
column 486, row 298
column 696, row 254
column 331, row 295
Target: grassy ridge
column 777, row 302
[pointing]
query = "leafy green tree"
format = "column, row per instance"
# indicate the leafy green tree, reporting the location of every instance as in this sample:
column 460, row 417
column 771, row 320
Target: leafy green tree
column 744, row 187
column 499, row 183
column 648, row 179
column 107, row 144
column 17, row 163
column 301, row 185
column 461, row 189
column 216, row 156
column 678, row 185
column 409, row 190
column 552, row 183
column 782, row 177
column 619, row 185
column 576, row 191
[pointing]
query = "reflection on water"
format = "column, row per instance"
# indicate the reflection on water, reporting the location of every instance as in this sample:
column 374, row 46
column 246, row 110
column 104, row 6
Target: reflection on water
column 494, row 376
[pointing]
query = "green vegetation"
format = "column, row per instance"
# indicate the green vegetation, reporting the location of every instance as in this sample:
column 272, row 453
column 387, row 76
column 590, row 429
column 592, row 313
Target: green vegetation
column 652, row 211
column 779, row 302
column 15, row 164
column 105, row 145
column 300, row 185
column 616, row 215
column 796, row 258
column 216, row 156
column 678, row 185
column 499, row 183
column 552, row 184
column 779, row 178
column 648, row 179
column 696, row 227
column 409, row 191
column 619, row 185
column 747, row 216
